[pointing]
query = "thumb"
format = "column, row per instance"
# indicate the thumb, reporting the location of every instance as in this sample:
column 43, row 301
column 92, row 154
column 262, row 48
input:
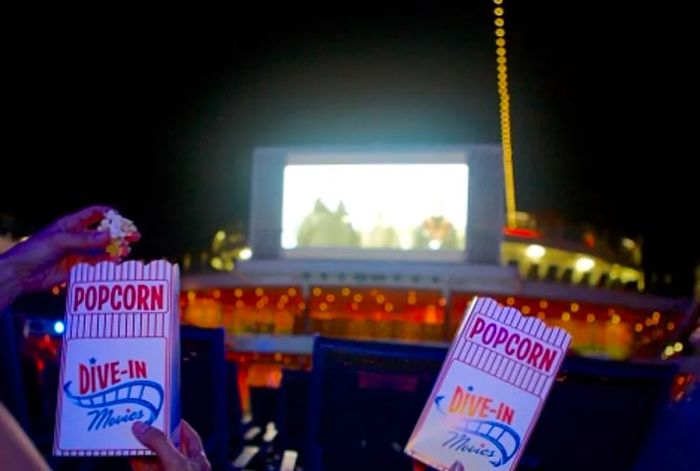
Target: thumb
column 157, row 442
column 456, row 466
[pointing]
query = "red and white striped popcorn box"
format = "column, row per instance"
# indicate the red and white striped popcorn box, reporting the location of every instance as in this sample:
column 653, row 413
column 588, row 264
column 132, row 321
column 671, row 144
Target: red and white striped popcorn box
column 120, row 361
column 490, row 390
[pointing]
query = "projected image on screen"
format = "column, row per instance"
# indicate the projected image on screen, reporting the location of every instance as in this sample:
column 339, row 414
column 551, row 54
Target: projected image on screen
column 375, row 206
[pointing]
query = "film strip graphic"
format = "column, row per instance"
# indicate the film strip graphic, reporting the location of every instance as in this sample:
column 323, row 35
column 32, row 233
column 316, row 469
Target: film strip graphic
column 147, row 394
column 502, row 437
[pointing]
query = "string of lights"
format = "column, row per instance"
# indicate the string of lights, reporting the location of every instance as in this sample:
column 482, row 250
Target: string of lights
column 504, row 106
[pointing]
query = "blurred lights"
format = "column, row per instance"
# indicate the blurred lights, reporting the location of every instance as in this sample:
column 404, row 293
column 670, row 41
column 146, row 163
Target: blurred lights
column 638, row 327
column 584, row 264
column 220, row 236
column 566, row 317
column 678, row 347
column 670, row 326
column 615, row 319
column 216, row 263
column 629, row 244
column 535, row 251
column 245, row 253
column 59, row 327
column 590, row 318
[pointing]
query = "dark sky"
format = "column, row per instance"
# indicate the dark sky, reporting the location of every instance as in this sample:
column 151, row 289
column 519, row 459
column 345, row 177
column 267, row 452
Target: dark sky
column 159, row 117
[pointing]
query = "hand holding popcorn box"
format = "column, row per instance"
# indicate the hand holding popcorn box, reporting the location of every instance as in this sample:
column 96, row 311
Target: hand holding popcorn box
column 490, row 390
column 120, row 358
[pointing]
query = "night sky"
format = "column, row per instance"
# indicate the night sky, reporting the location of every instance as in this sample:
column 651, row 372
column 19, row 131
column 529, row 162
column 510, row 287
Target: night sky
column 159, row 117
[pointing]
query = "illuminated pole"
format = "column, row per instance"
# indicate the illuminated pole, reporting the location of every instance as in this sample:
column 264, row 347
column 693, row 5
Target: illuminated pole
column 504, row 104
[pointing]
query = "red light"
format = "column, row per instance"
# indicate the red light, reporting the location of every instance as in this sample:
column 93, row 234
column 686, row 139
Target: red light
column 518, row 232
column 589, row 240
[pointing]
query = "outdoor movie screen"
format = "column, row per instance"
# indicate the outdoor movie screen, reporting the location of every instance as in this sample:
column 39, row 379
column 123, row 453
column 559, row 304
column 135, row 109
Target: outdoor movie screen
column 365, row 207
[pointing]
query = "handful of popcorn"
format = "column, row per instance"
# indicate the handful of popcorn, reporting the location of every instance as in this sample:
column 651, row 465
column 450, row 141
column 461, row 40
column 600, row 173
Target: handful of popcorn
column 121, row 230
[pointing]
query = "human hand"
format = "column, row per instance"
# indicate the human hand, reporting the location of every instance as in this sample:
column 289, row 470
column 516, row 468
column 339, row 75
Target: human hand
column 190, row 457
column 44, row 260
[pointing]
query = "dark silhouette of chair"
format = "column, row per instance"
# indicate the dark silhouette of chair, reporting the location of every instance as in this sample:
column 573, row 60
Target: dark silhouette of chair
column 585, row 279
column 603, row 280
column 551, row 274
column 533, row 272
column 293, row 410
column 365, row 400
column 567, row 275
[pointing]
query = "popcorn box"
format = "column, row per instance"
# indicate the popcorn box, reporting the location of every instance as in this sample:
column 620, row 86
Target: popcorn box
column 490, row 390
column 121, row 358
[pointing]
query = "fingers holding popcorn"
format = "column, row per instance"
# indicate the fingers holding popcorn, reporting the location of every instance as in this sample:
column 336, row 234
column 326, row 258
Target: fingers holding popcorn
column 122, row 232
